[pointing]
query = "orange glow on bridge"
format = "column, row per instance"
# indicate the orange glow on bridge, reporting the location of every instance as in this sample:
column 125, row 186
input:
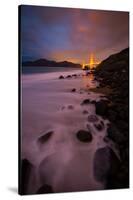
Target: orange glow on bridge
column 92, row 63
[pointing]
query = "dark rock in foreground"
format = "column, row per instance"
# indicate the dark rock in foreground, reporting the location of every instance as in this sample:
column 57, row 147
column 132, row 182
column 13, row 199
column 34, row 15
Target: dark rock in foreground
column 45, row 137
column 45, row 189
column 69, row 76
column 61, row 77
column 73, row 90
column 114, row 74
column 85, row 102
column 25, row 173
column 71, row 107
column 99, row 126
column 84, row 136
column 106, row 167
column 92, row 118
column 101, row 107
column 85, row 112
column 74, row 75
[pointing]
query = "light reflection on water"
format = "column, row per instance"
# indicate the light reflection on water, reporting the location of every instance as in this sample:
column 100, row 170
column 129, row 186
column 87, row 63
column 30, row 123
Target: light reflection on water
column 88, row 81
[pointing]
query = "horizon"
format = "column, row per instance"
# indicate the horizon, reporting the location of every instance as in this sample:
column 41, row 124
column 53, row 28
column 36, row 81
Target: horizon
column 82, row 64
column 71, row 34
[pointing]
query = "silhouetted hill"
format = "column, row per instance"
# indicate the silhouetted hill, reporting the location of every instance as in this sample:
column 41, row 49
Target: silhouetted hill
column 113, row 74
column 49, row 63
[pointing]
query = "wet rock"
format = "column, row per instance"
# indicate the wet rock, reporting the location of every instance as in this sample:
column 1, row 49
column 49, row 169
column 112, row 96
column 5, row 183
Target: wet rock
column 92, row 118
column 85, row 112
column 114, row 72
column 74, row 75
column 44, row 138
column 85, row 102
column 73, row 90
column 71, row 107
column 69, row 76
column 99, row 126
column 107, row 171
column 25, row 173
column 63, row 107
column 61, row 77
column 101, row 107
column 106, row 139
column 84, row 136
column 45, row 189
column 115, row 134
column 102, row 123
column 88, row 127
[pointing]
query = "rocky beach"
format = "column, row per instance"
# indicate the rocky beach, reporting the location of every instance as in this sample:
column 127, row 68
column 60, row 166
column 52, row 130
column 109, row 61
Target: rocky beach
column 72, row 124
column 113, row 75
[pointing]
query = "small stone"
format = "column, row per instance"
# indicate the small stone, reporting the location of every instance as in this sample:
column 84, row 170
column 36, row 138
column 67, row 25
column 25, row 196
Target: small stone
column 74, row 75
column 45, row 137
column 92, row 118
column 61, row 77
column 71, row 107
column 84, row 136
column 85, row 102
column 99, row 126
column 102, row 123
column 106, row 139
column 85, row 112
column 73, row 90
column 69, row 76
column 63, row 107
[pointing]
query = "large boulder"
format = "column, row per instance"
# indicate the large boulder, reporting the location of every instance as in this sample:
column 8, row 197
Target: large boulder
column 84, row 136
column 106, row 166
column 101, row 107
column 45, row 189
column 25, row 173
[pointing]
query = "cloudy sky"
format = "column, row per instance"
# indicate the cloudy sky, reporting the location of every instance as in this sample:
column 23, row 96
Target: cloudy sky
column 71, row 34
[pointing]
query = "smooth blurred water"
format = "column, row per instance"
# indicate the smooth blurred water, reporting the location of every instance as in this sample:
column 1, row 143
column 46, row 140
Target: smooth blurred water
column 43, row 69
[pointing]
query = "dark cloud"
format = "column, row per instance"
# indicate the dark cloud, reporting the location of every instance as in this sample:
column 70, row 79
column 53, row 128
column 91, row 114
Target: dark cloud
column 72, row 34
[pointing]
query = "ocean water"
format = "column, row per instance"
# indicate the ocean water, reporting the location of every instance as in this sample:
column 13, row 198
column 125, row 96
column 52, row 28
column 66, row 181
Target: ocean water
column 37, row 69
column 63, row 162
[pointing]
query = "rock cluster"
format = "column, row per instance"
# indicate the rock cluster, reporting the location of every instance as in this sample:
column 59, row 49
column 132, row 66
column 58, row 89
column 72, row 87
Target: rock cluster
column 114, row 73
column 84, row 136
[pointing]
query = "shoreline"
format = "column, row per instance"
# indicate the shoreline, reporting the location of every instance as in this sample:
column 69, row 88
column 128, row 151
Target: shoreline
column 69, row 119
column 117, row 80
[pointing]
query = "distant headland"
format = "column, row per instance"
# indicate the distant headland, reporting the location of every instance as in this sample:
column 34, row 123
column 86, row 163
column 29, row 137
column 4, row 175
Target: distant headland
column 50, row 63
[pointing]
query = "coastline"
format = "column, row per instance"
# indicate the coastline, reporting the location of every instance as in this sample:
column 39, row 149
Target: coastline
column 59, row 117
column 114, row 74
